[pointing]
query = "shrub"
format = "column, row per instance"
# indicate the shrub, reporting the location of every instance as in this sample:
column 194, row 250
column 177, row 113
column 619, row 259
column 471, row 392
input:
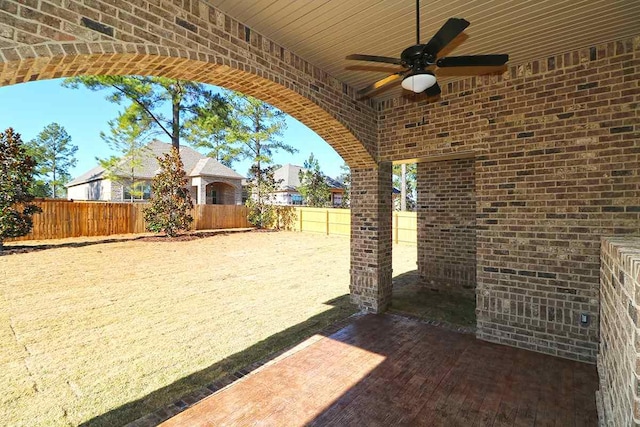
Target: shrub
column 262, row 187
column 171, row 203
column 16, row 178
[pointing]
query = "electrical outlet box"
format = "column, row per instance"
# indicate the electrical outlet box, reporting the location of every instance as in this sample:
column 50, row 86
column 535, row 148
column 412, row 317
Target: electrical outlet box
column 584, row 319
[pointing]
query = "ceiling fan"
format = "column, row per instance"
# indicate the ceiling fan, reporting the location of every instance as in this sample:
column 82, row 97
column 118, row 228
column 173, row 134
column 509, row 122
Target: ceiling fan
column 419, row 60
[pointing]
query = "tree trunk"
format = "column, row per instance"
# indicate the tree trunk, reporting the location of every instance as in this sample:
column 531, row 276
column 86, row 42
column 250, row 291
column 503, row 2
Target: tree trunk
column 53, row 183
column 175, row 137
column 403, row 189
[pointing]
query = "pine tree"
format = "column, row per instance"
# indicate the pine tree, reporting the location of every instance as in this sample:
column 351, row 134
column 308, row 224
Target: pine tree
column 54, row 156
column 407, row 186
column 261, row 201
column 258, row 128
column 150, row 96
column 128, row 135
column 16, row 176
column 313, row 184
column 209, row 127
column 171, row 203
column 345, row 180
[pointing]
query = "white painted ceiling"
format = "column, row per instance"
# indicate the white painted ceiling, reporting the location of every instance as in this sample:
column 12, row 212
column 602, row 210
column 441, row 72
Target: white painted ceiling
column 323, row 32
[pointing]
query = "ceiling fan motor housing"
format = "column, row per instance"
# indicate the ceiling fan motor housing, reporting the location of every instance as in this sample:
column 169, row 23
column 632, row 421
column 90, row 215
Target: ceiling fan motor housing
column 416, row 57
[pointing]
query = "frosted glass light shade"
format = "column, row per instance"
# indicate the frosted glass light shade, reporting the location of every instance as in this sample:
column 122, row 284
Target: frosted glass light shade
column 419, row 82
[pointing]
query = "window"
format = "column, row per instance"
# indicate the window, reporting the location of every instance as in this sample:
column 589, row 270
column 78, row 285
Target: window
column 296, row 199
column 141, row 191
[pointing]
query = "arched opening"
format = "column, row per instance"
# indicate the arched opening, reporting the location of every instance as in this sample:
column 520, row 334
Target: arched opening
column 332, row 126
column 220, row 193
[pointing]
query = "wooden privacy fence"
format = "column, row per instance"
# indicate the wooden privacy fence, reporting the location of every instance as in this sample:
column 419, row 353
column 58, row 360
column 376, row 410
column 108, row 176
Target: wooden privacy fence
column 338, row 222
column 63, row 218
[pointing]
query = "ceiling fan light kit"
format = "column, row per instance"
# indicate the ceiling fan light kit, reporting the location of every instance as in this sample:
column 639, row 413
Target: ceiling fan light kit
column 419, row 82
column 420, row 60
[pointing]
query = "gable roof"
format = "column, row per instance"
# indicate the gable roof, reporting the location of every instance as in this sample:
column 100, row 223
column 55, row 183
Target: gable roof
column 195, row 164
column 289, row 174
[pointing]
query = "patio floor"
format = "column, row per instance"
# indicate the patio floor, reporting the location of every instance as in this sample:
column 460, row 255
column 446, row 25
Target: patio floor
column 388, row 370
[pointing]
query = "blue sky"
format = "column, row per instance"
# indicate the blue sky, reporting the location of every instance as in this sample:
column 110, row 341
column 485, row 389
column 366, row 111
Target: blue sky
column 29, row 107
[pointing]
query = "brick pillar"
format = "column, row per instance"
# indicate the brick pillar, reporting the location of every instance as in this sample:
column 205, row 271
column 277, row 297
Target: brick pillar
column 238, row 194
column 202, row 192
column 371, row 191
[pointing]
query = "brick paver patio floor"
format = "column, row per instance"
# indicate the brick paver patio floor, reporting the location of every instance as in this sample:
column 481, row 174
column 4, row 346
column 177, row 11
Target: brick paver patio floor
column 387, row 370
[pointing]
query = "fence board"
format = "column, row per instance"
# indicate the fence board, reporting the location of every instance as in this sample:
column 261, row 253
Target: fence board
column 338, row 222
column 63, row 218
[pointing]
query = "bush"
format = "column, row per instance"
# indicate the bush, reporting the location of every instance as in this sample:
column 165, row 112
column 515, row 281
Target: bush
column 171, row 203
column 16, row 178
column 262, row 187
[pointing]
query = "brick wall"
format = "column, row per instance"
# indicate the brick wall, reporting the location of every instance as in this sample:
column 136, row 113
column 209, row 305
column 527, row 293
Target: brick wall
column 557, row 149
column 619, row 358
column 447, row 225
column 371, row 237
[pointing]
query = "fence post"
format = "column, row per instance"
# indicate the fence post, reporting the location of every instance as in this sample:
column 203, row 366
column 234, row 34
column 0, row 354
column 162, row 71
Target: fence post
column 327, row 218
column 300, row 219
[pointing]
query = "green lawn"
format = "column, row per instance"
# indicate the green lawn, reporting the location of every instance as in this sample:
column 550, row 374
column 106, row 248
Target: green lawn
column 104, row 333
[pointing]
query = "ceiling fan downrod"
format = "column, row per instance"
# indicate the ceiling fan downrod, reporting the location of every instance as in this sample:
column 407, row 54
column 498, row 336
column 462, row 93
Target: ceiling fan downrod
column 417, row 21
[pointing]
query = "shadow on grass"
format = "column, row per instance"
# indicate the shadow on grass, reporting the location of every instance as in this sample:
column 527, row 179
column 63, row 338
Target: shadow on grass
column 267, row 348
column 410, row 297
column 13, row 249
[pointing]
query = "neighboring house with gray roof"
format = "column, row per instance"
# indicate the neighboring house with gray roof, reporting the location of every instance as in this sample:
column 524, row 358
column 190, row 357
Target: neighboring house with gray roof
column 288, row 177
column 210, row 181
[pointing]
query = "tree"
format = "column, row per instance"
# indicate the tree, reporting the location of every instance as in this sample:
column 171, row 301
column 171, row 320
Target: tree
column 209, row 127
column 149, row 95
column 406, row 182
column 262, row 210
column 16, row 176
column 170, row 199
column 345, row 180
column 313, row 184
column 128, row 135
column 257, row 127
column 54, row 156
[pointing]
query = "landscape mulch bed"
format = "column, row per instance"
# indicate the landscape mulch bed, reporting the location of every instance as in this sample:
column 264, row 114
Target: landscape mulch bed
column 27, row 247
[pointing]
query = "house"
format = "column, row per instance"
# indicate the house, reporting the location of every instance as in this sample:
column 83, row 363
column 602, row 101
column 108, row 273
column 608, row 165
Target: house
column 210, row 181
column 288, row 177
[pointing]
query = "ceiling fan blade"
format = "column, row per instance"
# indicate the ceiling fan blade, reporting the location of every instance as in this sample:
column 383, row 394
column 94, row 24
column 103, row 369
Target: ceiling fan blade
column 446, row 34
column 374, row 58
column 382, row 82
column 473, row 61
column 433, row 90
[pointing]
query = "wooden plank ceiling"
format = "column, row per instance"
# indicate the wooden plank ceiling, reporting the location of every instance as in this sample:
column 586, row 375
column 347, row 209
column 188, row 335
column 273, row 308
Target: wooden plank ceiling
column 325, row 31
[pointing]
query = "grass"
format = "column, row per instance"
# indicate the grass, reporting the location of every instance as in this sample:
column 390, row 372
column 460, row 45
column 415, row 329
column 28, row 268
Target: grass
column 103, row 333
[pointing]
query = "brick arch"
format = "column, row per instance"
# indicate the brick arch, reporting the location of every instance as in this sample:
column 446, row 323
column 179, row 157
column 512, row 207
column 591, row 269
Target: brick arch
column 57, row 60
column 227, row 193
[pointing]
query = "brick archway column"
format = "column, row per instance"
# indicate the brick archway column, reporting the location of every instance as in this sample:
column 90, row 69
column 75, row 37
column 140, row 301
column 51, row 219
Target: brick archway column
column 371, row 207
